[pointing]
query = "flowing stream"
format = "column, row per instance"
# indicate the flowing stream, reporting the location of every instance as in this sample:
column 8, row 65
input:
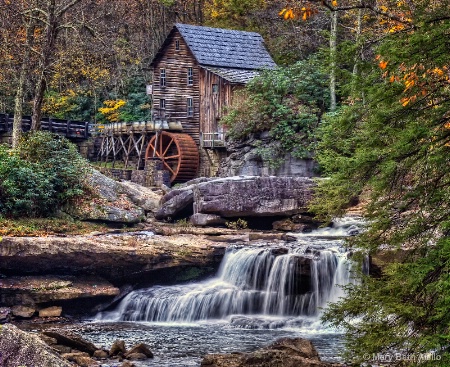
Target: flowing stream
column 260, row 293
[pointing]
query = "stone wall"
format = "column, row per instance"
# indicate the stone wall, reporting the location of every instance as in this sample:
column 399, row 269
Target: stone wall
column 86, row 148
column 210, row 161
column 244, row 159
column 152, row 176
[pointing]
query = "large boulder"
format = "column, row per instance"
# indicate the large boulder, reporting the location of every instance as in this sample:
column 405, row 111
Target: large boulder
column 117, row 347
column 142, row 196
column 174, row 203
column 243, row 196
column 113, row 201
column 254, row 196
column 285, row 352
column 80, row 358
column 19, row 348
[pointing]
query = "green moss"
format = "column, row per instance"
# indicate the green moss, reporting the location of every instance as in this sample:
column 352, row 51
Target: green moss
column 190, row 274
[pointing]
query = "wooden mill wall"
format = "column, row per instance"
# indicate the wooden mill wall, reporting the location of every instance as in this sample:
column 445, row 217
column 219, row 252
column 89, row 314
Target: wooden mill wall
column 215, row 94
column 177, row 91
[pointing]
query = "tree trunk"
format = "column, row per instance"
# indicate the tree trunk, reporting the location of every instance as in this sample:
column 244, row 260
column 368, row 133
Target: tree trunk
column 18, row 99
column 333, row 37
column 47, row 54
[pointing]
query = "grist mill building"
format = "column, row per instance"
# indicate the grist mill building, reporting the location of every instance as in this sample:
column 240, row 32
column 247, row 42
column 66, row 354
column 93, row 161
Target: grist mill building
column 195, row 75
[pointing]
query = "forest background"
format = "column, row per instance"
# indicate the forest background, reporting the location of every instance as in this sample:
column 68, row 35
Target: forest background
column 90, row 60
column 364, row 85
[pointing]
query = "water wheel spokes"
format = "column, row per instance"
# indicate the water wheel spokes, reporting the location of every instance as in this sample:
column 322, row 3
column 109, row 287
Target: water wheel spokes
column 178, row 153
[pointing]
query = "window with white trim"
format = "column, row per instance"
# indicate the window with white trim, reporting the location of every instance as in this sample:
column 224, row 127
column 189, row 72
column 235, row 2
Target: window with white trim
column 190, row 76
column 190, row 106
column 162, row 77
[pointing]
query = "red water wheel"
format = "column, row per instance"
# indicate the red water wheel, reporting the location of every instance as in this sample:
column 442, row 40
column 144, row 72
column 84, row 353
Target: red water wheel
column 178, row 152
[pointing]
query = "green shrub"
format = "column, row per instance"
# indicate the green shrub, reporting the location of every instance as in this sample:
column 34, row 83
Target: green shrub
column 25, row 189
column 288, row 102
column 40, row 176
column 60, row 160
column 239, row 224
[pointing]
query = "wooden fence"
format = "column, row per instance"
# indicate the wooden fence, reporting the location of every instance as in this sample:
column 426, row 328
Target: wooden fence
column 67, row 128
column 212, row 140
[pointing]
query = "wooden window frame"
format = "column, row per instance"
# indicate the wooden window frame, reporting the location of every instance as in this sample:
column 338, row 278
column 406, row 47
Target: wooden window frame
column 162, row 104
column 190, row 107
column 162, row 77
column 177, row 45
column 215, row 88
column 190, row 76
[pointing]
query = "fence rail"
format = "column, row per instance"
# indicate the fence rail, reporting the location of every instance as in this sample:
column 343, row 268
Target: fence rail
column 67, row 128
column 212, row 140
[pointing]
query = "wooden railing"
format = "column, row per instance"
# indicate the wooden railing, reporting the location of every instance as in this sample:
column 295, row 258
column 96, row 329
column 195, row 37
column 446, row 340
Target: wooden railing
column 67, row 128
column 212, row 140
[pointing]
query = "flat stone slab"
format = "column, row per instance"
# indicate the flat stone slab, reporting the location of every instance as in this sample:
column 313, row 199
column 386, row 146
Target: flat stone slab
column 41, row 289
column 118, row 258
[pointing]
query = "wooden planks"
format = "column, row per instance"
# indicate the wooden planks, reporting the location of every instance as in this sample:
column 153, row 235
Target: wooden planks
column 67, row 128
column 176, row 91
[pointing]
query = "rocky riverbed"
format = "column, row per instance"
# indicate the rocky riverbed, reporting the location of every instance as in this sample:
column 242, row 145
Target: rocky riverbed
column 58, row 279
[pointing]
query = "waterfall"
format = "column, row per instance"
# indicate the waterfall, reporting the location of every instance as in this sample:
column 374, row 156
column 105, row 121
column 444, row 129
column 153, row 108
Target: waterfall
column 296, row 280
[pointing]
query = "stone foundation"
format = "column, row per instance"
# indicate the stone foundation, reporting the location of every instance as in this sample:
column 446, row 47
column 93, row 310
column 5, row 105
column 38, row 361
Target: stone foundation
column 210, row 160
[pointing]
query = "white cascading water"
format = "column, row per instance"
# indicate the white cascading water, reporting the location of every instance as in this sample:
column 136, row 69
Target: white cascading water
column 289, row 281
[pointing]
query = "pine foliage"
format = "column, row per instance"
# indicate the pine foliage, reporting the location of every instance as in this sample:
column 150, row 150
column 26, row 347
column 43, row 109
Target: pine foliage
column 391, row 145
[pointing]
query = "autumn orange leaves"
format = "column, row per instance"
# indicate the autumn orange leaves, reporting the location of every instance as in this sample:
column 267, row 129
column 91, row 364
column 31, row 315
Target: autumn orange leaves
column 416, row 79
column 292, row 13
column 303, row 11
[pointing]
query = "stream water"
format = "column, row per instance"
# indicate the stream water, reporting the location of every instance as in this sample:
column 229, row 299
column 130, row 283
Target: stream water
column 260, row 293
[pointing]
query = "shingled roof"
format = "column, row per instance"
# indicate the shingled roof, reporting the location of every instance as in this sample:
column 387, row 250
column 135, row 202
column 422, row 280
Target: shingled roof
column 224, row 48
column 234, row 75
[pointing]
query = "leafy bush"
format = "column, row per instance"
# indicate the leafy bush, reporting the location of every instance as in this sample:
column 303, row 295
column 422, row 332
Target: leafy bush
column 25, row 188
column 239, row 224
column 40, row 176
column 287, row 102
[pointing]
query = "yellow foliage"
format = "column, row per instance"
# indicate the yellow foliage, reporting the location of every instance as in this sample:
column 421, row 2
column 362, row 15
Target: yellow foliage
column 111, row 111
column 289, row 14
column 334, row 3
column 57, row 104
column 438, row 71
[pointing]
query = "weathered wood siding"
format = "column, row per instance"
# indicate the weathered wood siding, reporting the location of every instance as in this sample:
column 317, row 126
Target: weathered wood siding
column 177, row 91
column 212, row 101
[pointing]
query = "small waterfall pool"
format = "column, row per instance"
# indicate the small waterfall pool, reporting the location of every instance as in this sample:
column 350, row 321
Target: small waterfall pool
column 260, row 293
